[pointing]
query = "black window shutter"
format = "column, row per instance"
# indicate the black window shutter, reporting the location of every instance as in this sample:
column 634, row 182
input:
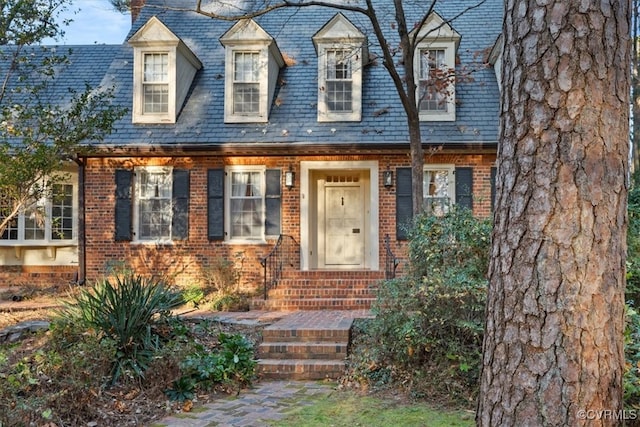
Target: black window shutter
column 404, row 202
column 123, row 204
column 464, row 187
column 494, row 171
column 180, row 202
column 273, row 202
column 215, row 204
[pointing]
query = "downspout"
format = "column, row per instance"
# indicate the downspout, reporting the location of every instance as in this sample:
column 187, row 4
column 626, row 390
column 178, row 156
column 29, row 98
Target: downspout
column 82, row 240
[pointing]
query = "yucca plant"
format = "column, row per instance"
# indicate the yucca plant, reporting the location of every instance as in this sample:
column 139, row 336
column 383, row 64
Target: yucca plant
column 125, row 312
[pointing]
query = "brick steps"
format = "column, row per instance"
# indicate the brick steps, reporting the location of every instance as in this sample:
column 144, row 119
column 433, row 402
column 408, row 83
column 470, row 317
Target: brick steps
column 284, row 291
column 306, row 345
column 322, row 290
column 304, row 350
column 313, row 304
column 300, row 369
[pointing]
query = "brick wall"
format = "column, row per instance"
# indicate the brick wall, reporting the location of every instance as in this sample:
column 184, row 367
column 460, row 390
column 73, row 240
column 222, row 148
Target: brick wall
column 183, row 261
column 44, row 276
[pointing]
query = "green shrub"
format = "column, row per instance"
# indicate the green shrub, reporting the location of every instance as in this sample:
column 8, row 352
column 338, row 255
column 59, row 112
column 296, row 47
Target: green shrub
column 125, row 312
column 633, row 245
column 429, row 324
column 632, row 356
column 232, row 363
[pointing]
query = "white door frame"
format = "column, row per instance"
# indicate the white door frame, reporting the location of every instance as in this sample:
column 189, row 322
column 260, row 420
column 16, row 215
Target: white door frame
column 372, row 249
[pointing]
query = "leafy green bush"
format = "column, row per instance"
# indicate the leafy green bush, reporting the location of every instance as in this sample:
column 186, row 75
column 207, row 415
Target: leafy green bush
column 125, row 312
column 428, row 327
column 633, row 244
column 632, row 356
column 233, row 362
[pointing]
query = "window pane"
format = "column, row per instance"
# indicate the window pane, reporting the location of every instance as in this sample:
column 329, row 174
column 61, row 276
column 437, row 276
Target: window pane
column 156, row 98
column 433, row 82
column 154, row 204
column 246, row 98
column 436, row 191
column 246, row 218
column 246, row 205
column 156, row 67
column 338, row 65
column 11, row 232
column 34, row 224
column 339, row 84
column 246, row 67
column 62, row 212
column 339, row 96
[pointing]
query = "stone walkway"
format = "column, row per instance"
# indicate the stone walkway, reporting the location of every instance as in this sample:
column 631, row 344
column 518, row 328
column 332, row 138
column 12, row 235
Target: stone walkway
column 252, row 408
column 269, row 400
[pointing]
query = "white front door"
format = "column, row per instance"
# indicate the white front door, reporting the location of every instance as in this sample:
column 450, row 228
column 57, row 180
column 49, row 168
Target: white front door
column 344, row 234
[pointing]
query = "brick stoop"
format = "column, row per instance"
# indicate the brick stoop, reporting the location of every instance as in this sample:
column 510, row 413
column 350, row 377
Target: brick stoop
column 322, row 290
column 306, row 345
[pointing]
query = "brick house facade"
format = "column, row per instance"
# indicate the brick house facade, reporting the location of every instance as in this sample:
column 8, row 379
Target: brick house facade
column 223, row 114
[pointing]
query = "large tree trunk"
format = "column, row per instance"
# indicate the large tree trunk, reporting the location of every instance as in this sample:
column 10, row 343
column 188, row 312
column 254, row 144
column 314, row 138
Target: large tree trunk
column 555, row 310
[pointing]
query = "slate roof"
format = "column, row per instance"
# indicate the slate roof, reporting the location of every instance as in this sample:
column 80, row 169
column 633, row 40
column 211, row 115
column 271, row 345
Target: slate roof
column 201, row 120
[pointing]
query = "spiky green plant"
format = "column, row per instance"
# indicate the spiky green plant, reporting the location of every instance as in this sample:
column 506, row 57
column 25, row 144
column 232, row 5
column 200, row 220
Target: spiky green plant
column 125, row 312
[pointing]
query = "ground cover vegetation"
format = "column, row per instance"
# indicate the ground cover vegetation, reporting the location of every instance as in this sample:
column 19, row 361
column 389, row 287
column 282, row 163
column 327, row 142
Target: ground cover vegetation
column 115, row 354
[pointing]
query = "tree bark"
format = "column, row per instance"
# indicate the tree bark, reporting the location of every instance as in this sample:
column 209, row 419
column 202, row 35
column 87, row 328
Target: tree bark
column 555, row 308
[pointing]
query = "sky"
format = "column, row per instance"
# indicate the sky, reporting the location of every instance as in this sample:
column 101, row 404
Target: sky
column 96, row 22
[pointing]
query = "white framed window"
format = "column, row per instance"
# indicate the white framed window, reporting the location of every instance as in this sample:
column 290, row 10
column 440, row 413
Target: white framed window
column 439, row 188
column 153, row 203
column 246, row 83
column 435, row 74
column 51, row 221
column 342, row 53
column 339, row 81
column 340, row 84
column 163, row 70
column 245, row 205
column 155, row 83
column 252, row 64
column 433, row 82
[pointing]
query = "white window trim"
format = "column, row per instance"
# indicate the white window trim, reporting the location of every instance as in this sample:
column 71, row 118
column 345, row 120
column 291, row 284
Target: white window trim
column 451, row 187
column 227, row 204
column 263, row 79
column 136, row 204
column 48, row 225
column 138, row 114
column 357, row 64
column 450, row 60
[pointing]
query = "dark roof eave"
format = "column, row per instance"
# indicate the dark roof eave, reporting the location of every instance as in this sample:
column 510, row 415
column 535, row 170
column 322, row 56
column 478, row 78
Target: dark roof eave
column 277, row 149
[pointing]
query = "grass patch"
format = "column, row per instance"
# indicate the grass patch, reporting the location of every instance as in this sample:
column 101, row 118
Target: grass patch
column 351, row 409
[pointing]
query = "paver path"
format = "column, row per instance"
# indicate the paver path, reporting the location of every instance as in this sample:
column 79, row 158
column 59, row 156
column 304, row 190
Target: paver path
column 253, row 407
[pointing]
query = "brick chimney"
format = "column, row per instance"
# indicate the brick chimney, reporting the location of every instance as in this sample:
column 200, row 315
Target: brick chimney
column 136, row 6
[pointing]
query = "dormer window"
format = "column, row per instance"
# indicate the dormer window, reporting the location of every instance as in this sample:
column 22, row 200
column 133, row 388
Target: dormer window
column 339, row 81
column 246, row 83
column 434, row 81
column 341, row 50
column 252, row 65
column 156, row 83
column 434, row 68
column 159, row 57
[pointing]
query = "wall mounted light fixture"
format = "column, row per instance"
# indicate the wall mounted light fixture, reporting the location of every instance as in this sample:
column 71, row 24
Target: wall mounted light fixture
column 387, row 178
column 289, row 178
